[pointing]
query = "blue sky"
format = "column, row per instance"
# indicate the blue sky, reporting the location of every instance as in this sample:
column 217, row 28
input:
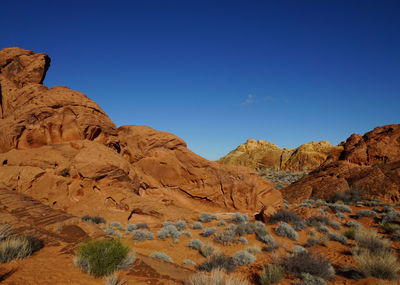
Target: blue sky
column 216, row 73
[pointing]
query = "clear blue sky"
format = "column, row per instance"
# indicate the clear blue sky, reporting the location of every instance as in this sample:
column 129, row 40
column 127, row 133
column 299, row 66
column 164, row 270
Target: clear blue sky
column 216, row 73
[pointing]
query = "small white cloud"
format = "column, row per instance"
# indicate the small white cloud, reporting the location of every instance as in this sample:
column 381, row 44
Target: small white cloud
column 249, row 100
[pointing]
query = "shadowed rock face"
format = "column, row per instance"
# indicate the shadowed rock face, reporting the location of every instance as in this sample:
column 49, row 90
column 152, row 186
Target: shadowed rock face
column 59, row 147
column 262, row 155
column 33, row 115
column 369, row 164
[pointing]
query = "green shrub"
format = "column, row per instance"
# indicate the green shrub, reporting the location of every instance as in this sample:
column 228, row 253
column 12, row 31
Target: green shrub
column 161, row 255
column 243, row 257
column 271, row 274
column 207, row 217
column 102, row 257
column 18, row 247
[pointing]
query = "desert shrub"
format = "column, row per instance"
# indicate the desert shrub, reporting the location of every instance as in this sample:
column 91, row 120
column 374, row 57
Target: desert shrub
column 319, row 203
column 180, row 225
column 372, row 203
column 226, row 237
column 195, row 244
column 102, row 257
column 5, row 231
column 352, row 196
column 298, row 248
column 391, row 216
column 189, row 235
column 221, row 223
column 340, row 215
column 340, row 208
column 322, row 211
column 139, row 235
column 239, row 218
column 271, row 274
column 232, row 227
column 350, row 233
column 143, row 226
column 161, row 255
column 366, row 213
column 288, row 217
column 383, row 265
column 116, row 225
column 312, row 232
column 207, row 250
column 322, row 220
column 197, row 226
column 308, row 262
column 306, row 204
column 285, row 230
column 217, row 276
column 243, row 240
column 390, row 228
column 189, row 262
column 323, row 229
column 218, row 261
column 206, row 232
column 111, row 232
column 353, row 224
column 313, row 241
column 262, row 234
column 167, row 223
column 308, row 279
column 337, row 237
column 286, row 204
column 271, row 248
column 94, row 220
column 388, row 208
column 13, row 247
column 131, row 227
column 242, row 229
column 253, row 249
column 370, row 240
column 207, row 217
column 243, row 257
column 168, row 231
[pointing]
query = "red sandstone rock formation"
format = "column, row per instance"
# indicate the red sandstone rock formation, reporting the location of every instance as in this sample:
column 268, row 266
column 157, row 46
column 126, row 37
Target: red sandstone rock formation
column 369, row 164
column 59, row 147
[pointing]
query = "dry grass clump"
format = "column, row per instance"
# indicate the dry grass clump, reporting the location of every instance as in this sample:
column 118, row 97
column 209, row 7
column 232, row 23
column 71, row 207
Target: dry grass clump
column 161, row 255
column 207, row 249
column 285, row 230
column 288, row 217
column 18, row 247
column 207, row 217
column 215, row 277
column 243, row 257
column 271, row 274
column 226, row 237
column 374, row 256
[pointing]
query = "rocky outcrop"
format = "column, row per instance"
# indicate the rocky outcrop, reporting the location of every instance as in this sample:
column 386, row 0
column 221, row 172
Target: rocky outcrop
column 59, row 147
column 33, row 115
column 263, row 155
column 369, row 164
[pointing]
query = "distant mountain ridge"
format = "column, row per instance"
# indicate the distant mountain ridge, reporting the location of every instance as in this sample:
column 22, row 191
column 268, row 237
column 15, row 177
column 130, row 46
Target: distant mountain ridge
column 261, row 155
